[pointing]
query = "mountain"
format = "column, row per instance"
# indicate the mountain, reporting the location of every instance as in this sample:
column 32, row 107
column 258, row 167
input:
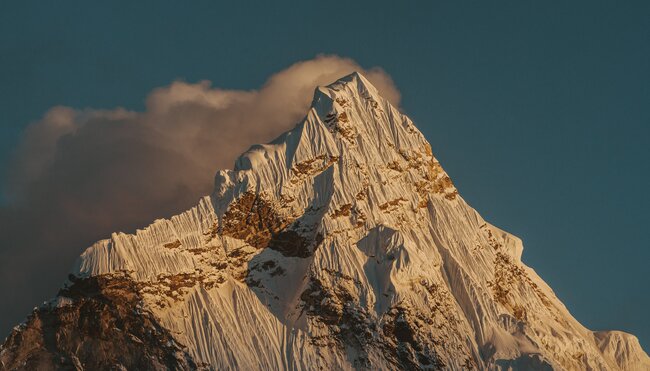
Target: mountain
column 342, row 244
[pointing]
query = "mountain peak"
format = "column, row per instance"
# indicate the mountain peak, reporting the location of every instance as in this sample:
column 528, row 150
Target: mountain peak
column 348, row 121
column 357, row 79
column 342, row 244
column 352, row 86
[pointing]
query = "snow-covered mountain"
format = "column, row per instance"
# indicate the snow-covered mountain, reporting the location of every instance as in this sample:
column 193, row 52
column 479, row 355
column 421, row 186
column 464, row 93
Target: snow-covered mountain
column 342, row 244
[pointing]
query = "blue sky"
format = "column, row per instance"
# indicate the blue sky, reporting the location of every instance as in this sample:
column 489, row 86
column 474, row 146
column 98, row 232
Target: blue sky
column 539, row 111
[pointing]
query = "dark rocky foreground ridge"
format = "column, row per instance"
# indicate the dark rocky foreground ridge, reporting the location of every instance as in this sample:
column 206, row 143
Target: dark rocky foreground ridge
column 101, row 326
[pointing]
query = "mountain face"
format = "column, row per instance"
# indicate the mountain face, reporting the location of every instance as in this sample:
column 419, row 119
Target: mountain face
column 343, row 244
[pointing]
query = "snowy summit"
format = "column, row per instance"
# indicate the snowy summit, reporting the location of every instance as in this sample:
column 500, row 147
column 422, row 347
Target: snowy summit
column 342, row 244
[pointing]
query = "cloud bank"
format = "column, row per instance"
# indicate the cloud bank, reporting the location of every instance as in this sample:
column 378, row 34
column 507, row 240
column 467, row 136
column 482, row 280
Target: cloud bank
column 79, row 175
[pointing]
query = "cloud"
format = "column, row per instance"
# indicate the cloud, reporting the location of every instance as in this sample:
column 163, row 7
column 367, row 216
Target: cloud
column 79, row 175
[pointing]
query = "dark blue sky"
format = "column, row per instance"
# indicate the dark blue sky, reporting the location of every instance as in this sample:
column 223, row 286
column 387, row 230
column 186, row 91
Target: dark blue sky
column 540, row 112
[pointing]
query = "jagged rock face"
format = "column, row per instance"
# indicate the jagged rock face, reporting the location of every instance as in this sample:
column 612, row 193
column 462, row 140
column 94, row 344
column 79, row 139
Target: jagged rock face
column 96, row 323
column 343, row 244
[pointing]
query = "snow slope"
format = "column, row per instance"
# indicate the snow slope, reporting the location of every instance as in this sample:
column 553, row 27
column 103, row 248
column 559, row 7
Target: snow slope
column 343, row 244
